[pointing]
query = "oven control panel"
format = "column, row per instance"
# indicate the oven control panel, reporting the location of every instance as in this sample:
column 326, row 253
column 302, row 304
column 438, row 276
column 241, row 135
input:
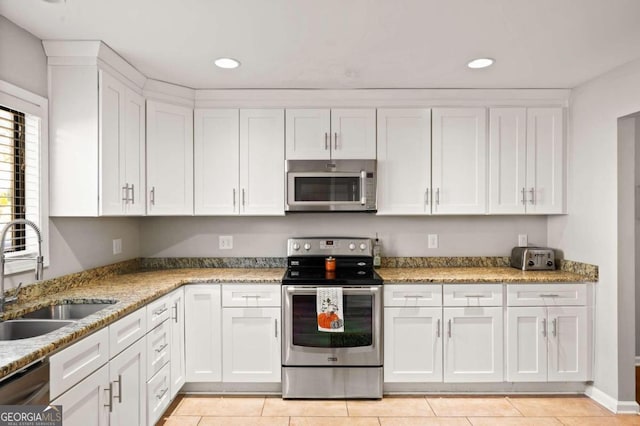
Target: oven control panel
column 321, row 246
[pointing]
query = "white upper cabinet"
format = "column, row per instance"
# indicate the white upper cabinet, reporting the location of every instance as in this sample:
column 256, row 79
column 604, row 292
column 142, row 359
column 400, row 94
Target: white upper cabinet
column 404, row 161
column 239, row 161
column 339, row 134
column 97, row 144
column 526, row 161
column 169, row 159
column 459, row 161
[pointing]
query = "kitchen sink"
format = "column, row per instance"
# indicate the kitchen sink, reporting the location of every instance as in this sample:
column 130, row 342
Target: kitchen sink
column 70, row 311
column 23, row 329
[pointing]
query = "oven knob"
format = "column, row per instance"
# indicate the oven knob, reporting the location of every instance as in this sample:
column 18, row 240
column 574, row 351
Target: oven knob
column 307, row 246
column 296, row 246
column 352, row 246
column 363, row 246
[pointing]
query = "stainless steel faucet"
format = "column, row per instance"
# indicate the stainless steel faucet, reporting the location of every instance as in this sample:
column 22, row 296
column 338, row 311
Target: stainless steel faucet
column 3, row 259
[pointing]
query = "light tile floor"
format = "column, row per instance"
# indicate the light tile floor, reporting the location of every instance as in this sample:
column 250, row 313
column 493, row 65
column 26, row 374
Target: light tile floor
column 391, row 411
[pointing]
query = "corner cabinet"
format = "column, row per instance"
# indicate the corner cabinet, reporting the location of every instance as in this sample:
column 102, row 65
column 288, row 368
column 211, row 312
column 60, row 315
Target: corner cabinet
column 239, row 161
column 404, row 161
column 337, row 134
column 459, row 161
column 169, row 159
column 97, row 143
column 526, row 161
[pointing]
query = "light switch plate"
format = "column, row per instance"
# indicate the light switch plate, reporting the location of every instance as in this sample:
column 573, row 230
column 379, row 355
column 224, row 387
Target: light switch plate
column 433, row 241
column 523, row 240
column 225, row 242
column 117, row 246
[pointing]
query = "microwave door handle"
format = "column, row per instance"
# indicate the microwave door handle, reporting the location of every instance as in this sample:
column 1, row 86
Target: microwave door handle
column 363, row 189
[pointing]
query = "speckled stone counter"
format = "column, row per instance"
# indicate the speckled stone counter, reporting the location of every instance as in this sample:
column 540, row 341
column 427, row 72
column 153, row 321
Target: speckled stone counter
column 477, row 275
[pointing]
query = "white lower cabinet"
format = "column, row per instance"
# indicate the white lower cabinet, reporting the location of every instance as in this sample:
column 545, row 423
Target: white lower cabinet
column 128, row 386
column 412, row 344
column 473, row 344
column 158, row 394
column 85, row 404
column 176, row 323
column 203, row 338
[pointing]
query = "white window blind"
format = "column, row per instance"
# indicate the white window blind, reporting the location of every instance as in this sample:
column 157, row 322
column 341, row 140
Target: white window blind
column 19, row 178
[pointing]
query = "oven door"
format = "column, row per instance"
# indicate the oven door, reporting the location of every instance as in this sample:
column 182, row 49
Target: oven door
column 316, row 191
column 361, row 342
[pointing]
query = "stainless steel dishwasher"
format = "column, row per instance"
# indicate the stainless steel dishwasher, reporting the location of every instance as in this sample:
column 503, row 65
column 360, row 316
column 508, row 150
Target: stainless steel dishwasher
column 29, row 386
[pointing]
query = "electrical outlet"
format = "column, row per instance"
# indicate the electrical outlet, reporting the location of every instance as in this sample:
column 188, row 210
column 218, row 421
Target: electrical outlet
column 522, row 240
column 433, row 241
column 225, row 242
column 117, row 246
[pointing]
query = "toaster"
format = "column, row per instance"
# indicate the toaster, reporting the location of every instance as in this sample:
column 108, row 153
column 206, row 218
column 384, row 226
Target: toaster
column 533, row 258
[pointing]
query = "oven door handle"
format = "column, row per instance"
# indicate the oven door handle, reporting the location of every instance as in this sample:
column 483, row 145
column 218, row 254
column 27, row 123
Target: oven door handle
column 300, row 290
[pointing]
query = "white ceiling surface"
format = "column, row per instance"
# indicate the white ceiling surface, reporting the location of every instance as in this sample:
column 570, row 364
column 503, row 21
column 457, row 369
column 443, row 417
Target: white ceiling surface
column 350, row 43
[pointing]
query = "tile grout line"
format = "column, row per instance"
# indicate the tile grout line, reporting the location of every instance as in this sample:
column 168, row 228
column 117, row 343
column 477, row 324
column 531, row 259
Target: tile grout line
column 513, row 406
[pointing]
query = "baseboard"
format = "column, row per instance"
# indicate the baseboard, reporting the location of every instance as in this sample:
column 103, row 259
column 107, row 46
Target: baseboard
column 610, row 403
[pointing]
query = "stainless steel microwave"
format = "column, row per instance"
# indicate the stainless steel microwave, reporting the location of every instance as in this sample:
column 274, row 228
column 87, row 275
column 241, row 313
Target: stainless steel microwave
column 336, row 185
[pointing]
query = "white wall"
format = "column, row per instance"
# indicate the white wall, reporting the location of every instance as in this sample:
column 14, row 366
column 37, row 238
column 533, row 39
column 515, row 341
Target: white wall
column 75, row 244
column 400, row 236
column 589, row 233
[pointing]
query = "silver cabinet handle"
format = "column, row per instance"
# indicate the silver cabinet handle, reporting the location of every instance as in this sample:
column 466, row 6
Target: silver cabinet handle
column 524, row 197
column 175, row 310
column 326, row 143
column 119, row 382
column 234, row 199
column 335, row 141
column 544, row 327
column 533, row 196
column 363, row 187
column 125, row 193
column 413, row 296
column 153, row 196
column 426, row 197
column 133, row 195
column 475, row 296
column 243, row 199
column 437, row 196
column 555, row 327
column 160, row 311
column 276, row 327
column 110, row 398
column 438, row 328
column 548, row 295
column 162, row 348
column 449, row 329
column 162, row 393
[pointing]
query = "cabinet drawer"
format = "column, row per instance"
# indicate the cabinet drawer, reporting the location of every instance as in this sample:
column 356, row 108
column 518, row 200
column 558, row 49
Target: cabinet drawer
column 547, row 294
column 251, row 295
column 412, row 295
column 158, row 396
column 127, row 330
column 472, row 295
column 78, row 361
column 158, row 348
column 158, row 311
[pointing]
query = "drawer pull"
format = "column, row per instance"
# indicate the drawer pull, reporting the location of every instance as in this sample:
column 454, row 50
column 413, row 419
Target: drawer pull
column 160, row 311
column 162, row 393
column 475, row 296
column 413, row 296
column 549, row 295
column 161, row 348
column 250, row 296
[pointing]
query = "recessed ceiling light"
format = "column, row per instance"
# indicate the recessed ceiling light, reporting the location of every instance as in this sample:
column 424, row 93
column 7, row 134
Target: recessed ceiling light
column 481, row 63
column 227, row 63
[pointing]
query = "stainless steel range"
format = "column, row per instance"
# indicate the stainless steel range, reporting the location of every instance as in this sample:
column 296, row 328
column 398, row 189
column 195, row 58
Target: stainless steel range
column 321, row 364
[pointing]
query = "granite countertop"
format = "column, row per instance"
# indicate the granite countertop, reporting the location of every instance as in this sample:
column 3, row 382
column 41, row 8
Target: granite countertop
column 131, row 291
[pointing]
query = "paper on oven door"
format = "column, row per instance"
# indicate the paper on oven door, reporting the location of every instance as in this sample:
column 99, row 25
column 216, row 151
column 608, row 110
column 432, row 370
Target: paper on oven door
column 329, row 308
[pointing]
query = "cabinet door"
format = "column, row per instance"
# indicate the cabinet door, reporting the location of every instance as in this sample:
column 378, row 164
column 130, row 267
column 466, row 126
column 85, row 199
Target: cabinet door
column 86, row 404
column 353, row 134
column 507, row 160
column 262, row 161
column 177, row 341
column 404, row 161
column 158, row 348
column 459, row 160
column 251, row 345
column 133, row 147
column 527, row 344
column 307, row 134
column 473, row 345
column 545, row 160
column 158, row 397
column 202, row 320
column 568, row 336
column 111, row 133
column 129, row 387
column 413, row 344
column 169, row 159
column 216, row 161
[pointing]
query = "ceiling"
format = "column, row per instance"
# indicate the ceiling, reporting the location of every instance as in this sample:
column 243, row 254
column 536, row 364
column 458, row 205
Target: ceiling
column 350, row 43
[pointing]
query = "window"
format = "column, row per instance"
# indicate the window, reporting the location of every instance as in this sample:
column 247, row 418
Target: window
column 23, row 116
